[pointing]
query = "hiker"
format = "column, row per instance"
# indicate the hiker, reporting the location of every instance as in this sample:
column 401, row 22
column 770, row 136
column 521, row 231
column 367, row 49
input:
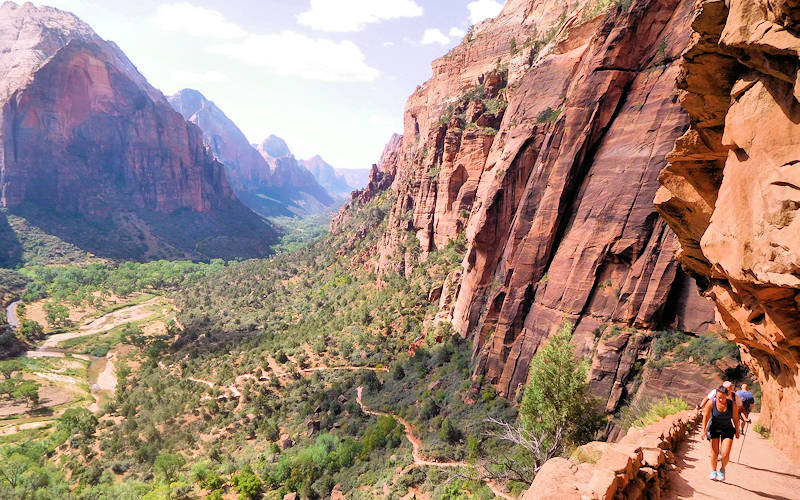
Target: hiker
column 713, row 394
column 746, row 402
column 721, row 424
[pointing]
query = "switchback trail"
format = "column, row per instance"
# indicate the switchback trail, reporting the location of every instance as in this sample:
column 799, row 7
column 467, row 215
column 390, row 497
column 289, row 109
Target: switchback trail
column 763, row 472
column 415, row 449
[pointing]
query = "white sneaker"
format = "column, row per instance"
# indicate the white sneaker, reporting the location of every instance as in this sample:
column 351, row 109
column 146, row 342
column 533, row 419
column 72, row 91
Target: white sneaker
column 713, row 476
column 721, row 475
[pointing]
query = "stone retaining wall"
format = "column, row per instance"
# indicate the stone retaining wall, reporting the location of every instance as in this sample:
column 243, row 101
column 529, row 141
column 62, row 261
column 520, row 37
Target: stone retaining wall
column 632, row 469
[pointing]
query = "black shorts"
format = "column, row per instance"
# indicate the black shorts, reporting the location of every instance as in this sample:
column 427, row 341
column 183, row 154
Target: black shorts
column 720, row 433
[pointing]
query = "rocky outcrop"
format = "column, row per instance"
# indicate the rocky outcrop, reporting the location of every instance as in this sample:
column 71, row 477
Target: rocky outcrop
column 636, row 467
column 381, row 176
column 90, row 152
column 731, row 191
column 540, row 139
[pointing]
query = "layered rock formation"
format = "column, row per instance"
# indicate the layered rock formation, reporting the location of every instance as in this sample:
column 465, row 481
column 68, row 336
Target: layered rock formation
column 732, row 189
column 540, row 138
column 91, row 152
column 636, row 467
column 268, row 180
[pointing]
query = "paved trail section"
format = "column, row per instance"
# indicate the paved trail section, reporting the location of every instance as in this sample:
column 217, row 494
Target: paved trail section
column 763, row 472
column 11, row 315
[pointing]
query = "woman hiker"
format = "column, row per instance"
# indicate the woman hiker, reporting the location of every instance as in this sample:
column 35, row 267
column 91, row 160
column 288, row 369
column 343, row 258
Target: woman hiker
column 721, row 424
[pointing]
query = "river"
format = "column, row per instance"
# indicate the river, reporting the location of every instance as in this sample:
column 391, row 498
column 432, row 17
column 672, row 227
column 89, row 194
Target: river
column 11, row 314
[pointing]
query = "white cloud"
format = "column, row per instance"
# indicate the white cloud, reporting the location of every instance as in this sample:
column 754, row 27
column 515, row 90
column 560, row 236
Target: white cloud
column 196, row 21
column 189, row 77
column 353, row 15
column 292, row 54
column 456, row 32
column 434, row 35
column 286, row 53
column 483, row 9
column 388, row 44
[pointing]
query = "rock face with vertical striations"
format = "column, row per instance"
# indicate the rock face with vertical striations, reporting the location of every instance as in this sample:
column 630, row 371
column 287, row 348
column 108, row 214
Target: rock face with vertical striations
column 90, row 152
column 732, row 189
column 540, row 139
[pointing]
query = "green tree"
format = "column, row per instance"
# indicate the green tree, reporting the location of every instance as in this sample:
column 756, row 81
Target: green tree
column 31, row 330
column 169, row 466
column 556, row 401
column 78, row 420
column 557, row 410
column 247, row 483
column 9, row 367
column 29, row 391
column 57, row 314
column 448, row 432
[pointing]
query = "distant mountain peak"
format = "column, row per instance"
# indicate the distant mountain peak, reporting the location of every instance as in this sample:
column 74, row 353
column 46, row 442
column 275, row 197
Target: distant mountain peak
column 274, row 147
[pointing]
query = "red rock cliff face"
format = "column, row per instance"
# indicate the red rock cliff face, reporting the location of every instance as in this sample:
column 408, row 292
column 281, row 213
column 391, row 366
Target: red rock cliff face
column 541, row 137
column 732, row 189
column 83, row 135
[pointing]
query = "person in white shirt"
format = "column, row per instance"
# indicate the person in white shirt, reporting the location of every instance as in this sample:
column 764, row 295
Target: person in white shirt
column 713, row 394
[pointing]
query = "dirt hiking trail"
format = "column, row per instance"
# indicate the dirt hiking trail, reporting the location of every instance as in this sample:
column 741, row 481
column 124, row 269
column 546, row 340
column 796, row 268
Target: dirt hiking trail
column 763, row 472
column 417, row 455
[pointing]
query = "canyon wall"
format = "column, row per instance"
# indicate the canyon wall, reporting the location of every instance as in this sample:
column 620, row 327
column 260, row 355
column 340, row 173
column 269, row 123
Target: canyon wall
column 91, row 152
column 540, row 139
column 732, row 189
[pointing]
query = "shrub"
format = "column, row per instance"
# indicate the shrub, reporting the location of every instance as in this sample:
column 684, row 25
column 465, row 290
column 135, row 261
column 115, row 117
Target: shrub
column 246, row 483
column 169, row 465
column 448, row 432
column 549, row 115
column 661, row 409
column 78, row 420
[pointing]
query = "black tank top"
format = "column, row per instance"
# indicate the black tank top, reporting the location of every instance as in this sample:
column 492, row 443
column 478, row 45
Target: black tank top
column 722, row 419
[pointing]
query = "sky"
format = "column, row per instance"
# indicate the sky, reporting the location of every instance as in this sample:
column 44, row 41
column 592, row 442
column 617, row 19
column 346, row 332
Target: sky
column 331, row 77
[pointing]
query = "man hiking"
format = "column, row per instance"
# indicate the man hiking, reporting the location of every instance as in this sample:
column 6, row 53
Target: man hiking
column 720, row 425
column 746, row 401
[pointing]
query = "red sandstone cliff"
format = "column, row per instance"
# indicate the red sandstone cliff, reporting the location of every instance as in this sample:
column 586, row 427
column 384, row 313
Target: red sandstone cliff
column 541, row 137
column 732, row 189
column 90, row 151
